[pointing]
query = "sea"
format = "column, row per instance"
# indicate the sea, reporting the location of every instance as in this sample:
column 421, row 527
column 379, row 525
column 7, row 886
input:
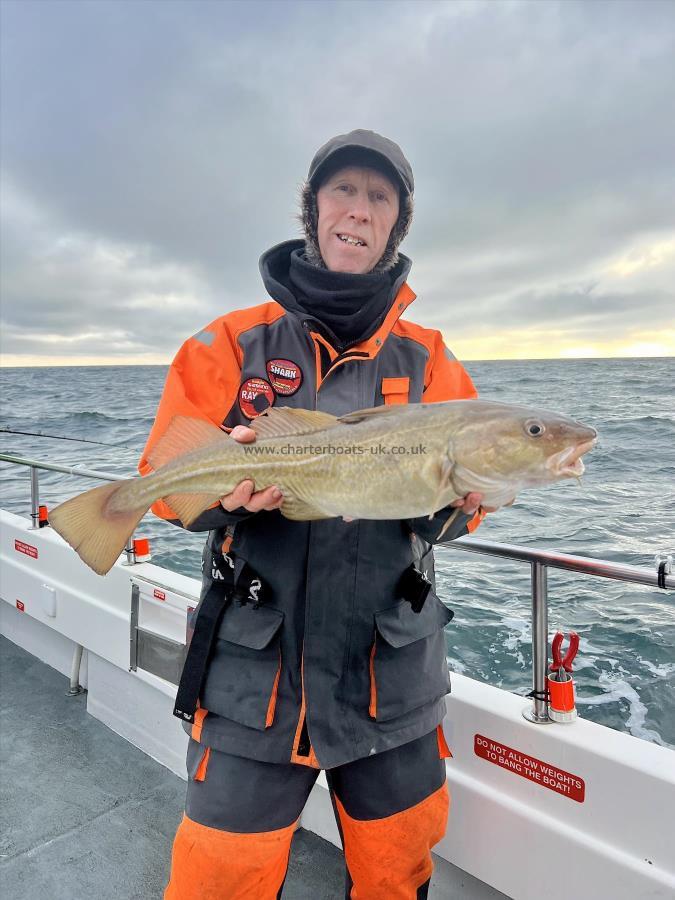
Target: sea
column 623, row 510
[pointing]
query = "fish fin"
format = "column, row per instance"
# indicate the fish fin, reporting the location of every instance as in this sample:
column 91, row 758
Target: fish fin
column 360, row 414
column 446, row 474
column 281, row 421
column 300, row 511
column 97, row 535
column 183, row 434
column 448, row 523
column 189, row 506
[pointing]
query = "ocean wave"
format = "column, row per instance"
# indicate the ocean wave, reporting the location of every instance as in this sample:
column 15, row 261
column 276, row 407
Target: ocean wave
column 617, row 688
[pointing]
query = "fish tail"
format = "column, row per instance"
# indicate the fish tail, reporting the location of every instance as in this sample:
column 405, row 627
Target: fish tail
column 95, row 528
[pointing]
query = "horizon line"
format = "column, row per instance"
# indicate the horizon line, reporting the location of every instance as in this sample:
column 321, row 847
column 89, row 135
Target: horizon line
column 504, row 359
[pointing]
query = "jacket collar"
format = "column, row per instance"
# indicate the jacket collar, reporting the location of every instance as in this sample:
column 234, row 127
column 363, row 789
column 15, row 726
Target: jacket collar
column 274, row 265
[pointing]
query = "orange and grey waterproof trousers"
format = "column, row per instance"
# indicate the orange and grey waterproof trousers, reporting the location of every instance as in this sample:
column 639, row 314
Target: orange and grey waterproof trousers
column 235, row 838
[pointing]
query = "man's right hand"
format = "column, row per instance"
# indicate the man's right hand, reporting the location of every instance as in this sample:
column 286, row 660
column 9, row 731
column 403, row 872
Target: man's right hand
column 244, row 493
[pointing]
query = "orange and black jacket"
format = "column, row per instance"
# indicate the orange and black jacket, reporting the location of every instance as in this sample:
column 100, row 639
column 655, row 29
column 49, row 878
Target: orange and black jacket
column 334, row 665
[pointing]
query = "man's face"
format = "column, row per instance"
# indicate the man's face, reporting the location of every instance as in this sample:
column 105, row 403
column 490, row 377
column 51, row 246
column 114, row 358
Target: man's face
column 356, row 204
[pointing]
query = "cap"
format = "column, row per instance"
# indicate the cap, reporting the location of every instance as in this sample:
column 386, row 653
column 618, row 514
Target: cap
column 366, row 143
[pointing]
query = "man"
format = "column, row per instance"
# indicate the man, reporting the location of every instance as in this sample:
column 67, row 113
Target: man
column 316, row 643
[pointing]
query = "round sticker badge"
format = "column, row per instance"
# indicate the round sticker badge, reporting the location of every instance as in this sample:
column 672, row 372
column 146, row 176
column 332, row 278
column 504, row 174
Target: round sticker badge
column 285, row 376
column 255, row 396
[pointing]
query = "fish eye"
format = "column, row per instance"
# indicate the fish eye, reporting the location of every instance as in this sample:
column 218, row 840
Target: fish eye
column 534, row 428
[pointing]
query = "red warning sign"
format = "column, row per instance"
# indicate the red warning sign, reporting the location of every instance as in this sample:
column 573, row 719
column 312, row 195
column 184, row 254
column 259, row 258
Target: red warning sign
column 543, row 773
column 158, row 595
column 28, row 549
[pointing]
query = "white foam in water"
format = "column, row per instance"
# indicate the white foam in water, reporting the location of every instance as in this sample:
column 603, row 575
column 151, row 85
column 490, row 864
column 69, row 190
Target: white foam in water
column 456, row 665
column 520, row 632
column 662, row 671
column 616, row 689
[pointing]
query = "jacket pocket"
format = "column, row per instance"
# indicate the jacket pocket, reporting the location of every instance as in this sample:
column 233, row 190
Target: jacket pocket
column 243, row 675
column 408, row 666
column 395, row 390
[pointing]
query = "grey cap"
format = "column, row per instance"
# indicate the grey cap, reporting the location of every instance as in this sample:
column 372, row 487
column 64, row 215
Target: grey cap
column 357, row 146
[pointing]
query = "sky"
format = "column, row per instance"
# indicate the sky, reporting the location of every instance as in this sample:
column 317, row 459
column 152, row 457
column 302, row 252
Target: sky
column 151, row 151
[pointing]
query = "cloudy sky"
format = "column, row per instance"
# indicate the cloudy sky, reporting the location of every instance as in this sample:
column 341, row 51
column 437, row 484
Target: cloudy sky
column 152, row 150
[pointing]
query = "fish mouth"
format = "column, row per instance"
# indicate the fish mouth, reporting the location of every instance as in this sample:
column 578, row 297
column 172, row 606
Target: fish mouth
column 568, row 463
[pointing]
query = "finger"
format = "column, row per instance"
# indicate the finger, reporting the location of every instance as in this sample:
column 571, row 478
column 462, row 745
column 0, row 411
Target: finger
column 242, row 434
column 270, row 498
column 468, row 504
column 240, row 496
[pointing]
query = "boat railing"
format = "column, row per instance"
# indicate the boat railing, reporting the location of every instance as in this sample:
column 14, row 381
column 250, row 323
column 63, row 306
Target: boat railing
column 540, row 561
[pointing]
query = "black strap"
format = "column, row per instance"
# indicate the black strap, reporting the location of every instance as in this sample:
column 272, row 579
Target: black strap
column 249, row 588
column 208, row 619
column 539, row 695
column 414, row 587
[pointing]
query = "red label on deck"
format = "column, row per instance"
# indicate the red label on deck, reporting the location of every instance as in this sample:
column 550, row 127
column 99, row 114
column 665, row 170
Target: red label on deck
column 158, row 595
column 26, row 548
column 20, row 606
column 543, row 773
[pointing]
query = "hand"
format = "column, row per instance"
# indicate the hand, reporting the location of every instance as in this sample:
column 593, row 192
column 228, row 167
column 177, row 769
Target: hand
column 469, row 504
column 245, row 494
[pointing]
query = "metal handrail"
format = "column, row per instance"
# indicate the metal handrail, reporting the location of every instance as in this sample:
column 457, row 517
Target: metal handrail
column 67, row 470
column 540, row 561
column 36, row 464
column 571, row 563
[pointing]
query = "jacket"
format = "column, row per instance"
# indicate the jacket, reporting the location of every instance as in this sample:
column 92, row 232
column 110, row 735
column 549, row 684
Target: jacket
column 334, row 665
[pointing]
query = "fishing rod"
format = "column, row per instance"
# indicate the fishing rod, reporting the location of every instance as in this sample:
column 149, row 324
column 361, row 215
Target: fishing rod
column 61, row 437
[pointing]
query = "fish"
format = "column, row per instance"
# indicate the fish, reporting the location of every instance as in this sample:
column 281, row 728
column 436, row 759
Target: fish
column 390, row 462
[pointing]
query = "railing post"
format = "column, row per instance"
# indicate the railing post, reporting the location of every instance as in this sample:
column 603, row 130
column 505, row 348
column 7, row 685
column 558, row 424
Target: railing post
column 133, row 627
column 130, row 552
column 538, row 712
column 34, row 497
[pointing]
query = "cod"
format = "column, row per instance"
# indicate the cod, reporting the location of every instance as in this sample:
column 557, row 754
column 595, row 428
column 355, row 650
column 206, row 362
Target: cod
column 390, row 462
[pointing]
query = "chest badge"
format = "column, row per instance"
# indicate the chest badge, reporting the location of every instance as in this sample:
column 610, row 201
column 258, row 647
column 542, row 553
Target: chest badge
column 285, row 376
column 255, row 396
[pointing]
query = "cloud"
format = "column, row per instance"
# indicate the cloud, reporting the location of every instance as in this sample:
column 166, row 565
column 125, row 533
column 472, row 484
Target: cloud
column 152, row 151
column 75, row 293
